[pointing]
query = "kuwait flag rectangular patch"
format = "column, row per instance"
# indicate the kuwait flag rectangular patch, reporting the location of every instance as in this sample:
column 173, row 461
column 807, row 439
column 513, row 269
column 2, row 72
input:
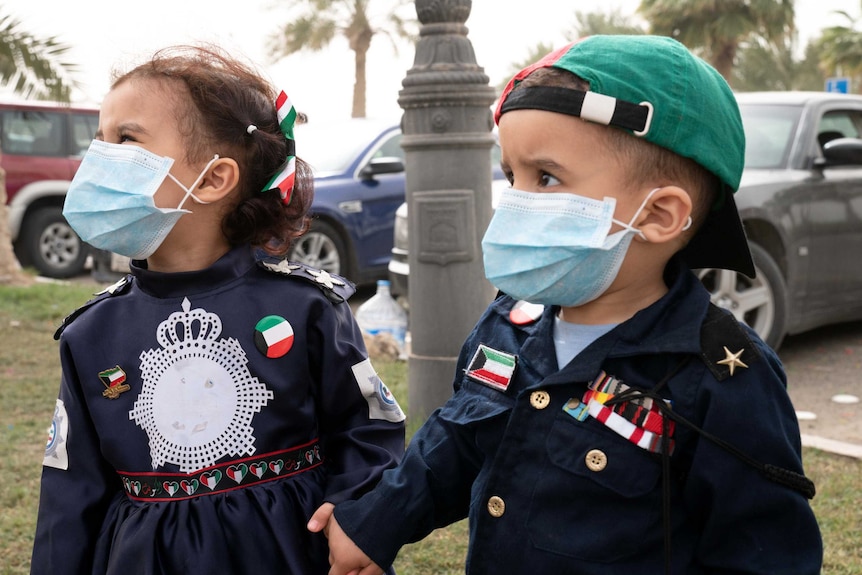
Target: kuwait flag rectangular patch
column 492, row 368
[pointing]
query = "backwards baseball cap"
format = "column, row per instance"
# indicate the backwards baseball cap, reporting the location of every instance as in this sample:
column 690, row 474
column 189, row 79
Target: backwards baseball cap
column 653, row 87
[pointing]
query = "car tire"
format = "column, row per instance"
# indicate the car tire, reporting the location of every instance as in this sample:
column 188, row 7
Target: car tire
column 760, row 303
column 321, row 247
column 49, row 244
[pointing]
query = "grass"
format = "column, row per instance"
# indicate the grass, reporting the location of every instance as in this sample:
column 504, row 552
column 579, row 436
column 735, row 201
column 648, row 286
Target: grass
column 29, row 379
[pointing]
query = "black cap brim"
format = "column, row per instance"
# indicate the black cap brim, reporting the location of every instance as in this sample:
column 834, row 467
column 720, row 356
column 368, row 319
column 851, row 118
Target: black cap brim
column 721, row 242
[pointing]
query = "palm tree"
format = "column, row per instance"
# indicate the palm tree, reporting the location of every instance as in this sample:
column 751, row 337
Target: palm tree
column 715, row 28
column 586, row 24
column 31, row 67
column 842, row 48
column 764, row 65
column 324, row 19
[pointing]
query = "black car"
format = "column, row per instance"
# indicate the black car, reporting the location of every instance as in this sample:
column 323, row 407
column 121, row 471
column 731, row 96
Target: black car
column 801, row 204
column 800, row 200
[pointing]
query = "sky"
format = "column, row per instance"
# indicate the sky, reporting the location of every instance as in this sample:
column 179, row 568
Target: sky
column 106, row 34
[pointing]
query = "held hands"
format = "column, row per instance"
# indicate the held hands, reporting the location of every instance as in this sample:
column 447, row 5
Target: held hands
column 344, row 556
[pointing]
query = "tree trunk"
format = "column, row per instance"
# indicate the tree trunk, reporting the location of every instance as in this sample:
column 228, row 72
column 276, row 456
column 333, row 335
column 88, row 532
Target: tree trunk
column 10, row 269
column 723, row 60
column 359, row 86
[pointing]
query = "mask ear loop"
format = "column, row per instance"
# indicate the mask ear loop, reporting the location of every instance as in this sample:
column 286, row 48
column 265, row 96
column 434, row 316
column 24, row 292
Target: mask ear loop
column 194, row 185
column 630, row 226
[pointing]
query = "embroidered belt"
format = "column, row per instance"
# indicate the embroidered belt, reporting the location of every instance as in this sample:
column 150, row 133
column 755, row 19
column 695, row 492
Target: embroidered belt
column 236, row 474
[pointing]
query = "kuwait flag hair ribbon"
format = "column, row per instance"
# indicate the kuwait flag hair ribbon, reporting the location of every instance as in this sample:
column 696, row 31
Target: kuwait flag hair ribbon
column 283, row 180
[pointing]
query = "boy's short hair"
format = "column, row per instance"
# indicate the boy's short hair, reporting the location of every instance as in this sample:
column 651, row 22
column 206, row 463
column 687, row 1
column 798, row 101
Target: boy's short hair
column 654, row 88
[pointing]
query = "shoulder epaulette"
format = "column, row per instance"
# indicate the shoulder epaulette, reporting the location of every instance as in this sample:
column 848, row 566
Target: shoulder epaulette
column 122, row 286
column 724, row 344
column 336, row 288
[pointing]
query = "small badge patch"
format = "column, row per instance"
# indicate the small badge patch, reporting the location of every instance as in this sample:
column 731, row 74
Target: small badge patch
column 273, row 336
column 381, row 402
column 56, row 454
column 115, row 382
column 492, row 368
column 525, row 313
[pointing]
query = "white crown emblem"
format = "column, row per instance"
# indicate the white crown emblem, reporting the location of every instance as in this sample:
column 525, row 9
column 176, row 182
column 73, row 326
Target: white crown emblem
column 190, row 328
column 198, row 397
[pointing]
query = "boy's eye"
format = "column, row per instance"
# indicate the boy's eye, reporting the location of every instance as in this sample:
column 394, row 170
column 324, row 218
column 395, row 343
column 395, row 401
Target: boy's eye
column 126, row 138
column 547, row 180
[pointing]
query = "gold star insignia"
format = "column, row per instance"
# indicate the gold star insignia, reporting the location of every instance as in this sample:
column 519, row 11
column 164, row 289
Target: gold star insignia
column 732, row 360
column 282, row 267
column 323, row 277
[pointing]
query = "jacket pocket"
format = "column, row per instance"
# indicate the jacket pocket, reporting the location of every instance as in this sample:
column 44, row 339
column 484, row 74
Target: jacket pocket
column 597, row 496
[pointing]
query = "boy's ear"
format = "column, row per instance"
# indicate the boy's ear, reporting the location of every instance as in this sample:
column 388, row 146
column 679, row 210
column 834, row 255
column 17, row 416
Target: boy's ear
column 666, row 215
column 219, row 181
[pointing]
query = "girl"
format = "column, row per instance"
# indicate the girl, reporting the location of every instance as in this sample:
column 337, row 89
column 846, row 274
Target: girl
column 218, row 397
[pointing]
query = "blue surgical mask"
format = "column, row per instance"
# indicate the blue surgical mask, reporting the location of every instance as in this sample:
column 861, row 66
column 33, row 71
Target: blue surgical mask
column 555, row 249
column 110, row 203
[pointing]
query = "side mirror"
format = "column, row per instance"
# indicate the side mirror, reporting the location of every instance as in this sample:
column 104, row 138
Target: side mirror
column 841, row 152
column 377, row 166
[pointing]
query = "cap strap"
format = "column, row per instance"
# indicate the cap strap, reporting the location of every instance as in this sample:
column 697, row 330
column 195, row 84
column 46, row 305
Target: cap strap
column 284, row 179
column 590, row 106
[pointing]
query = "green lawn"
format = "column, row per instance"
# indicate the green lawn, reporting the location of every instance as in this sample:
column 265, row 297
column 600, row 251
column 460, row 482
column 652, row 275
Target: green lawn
column 29, row 376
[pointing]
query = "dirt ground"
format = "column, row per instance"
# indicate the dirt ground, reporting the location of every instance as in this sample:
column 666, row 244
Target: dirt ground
column 820, row 365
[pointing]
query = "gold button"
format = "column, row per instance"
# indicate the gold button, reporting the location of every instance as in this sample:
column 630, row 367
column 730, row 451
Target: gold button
column 540, row 399
column 496, row 506
column 596, row 460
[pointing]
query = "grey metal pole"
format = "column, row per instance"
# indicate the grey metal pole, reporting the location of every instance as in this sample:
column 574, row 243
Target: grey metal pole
column 447, row 141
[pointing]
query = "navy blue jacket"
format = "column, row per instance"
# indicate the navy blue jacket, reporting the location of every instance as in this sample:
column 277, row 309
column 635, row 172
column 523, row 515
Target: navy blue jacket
column 203, row 417
column 547, row 492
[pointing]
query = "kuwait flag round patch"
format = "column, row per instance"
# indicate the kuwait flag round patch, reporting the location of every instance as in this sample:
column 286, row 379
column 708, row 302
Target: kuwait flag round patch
column 273, row 336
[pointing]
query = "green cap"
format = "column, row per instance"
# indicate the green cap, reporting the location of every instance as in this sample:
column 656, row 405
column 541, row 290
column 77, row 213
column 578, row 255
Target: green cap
column 653, row 87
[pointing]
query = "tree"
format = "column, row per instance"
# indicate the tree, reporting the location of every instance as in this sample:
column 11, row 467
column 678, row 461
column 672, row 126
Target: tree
column 764, row 65
column 715, row 28
column 842, row 48
column 31, row 67
column 586, row 24
column 325, row 19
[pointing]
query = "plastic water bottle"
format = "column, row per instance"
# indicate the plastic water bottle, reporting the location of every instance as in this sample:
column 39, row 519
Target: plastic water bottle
column 382, row 314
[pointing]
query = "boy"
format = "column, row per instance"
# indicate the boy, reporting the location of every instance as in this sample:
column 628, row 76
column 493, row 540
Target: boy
column 618, row 423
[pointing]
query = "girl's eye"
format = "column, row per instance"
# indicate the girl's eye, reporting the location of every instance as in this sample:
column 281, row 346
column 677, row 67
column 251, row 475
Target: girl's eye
column 546, row 180
column 126, row 138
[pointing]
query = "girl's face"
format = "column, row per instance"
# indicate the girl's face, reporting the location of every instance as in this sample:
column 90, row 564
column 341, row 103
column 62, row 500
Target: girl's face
column 141, row 112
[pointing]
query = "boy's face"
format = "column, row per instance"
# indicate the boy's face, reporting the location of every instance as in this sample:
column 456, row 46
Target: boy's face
column 547, row 152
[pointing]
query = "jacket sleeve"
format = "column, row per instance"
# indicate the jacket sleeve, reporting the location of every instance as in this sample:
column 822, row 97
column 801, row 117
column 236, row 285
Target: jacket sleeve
column 749, row 523
column 361, row 423
column 431, row 488
column 73, row 501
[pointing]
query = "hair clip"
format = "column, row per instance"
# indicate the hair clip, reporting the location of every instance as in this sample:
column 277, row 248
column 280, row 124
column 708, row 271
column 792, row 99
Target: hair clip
column 284, row 179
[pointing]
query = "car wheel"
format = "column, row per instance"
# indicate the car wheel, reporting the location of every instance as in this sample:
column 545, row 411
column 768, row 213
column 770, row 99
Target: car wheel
column 761, row 303
column 321, row 247
column 49, row 244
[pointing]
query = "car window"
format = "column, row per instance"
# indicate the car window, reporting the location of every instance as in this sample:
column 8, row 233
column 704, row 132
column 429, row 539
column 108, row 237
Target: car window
column 32, row 133
column 768, row 134
column 84, row 128
column 391, row 148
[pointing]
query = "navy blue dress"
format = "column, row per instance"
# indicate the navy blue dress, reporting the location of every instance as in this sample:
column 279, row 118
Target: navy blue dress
column 204, row 416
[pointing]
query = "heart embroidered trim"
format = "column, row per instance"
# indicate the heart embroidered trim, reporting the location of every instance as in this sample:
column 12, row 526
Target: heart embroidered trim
column 242, row 473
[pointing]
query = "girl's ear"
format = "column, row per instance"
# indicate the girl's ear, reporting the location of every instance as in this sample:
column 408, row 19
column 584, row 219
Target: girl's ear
column 666, row 215
column 219, row 181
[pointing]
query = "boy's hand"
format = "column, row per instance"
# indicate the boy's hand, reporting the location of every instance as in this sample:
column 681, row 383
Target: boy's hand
column 344, row 556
